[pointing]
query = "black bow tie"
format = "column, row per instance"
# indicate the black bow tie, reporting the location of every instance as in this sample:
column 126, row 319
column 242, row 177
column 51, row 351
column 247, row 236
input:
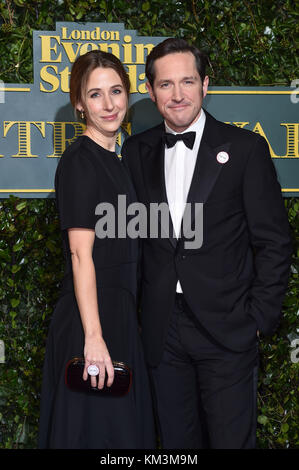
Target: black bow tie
column 171, row 139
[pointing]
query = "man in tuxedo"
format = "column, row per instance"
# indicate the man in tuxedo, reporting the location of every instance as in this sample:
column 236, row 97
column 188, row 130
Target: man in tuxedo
column 203, row 308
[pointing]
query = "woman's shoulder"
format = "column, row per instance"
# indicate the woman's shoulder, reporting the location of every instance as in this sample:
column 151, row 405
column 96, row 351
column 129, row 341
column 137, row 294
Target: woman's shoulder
column 76, row 149
column 76, row 154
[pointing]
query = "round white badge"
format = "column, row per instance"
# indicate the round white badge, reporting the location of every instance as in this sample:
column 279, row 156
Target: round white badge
column 93, row 370
column 222, row 157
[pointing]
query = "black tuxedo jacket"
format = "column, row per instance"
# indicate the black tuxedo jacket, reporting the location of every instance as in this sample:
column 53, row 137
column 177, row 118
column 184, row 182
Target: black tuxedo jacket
column 235, row 282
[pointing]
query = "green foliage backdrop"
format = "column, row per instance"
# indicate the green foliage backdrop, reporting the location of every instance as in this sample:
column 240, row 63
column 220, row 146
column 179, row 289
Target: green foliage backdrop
column 248, row 43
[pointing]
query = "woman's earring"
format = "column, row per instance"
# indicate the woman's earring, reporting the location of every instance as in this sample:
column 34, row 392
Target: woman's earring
column 82, row 115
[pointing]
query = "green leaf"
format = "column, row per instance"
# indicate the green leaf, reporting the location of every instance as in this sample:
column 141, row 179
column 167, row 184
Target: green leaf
column 146, row 6
column 21, row 206
column 285, row 427
column 14, row 302
column 10, row 282
column 18, row 246
column 15, row 268
column 262, row 419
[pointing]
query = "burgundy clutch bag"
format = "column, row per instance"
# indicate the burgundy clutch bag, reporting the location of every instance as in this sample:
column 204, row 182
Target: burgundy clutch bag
column 121, row 383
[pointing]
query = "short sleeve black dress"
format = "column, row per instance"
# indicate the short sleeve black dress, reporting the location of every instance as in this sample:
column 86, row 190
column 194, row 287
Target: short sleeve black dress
column 88, row 175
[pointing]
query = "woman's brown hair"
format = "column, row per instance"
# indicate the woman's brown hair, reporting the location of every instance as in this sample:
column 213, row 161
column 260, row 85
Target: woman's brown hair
column 85, row 64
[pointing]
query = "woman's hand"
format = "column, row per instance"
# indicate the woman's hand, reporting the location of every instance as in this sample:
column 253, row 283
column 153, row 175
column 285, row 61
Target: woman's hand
column 96, row 353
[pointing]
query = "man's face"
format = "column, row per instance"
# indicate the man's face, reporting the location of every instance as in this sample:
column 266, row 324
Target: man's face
column 178, row 90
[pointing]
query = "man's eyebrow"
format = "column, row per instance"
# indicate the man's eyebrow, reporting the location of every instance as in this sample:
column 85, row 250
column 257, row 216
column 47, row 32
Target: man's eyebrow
column 191, row 77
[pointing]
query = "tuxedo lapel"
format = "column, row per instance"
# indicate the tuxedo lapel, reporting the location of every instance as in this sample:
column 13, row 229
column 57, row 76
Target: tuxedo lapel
column 154, row 176
column 206, row 172
column 207, row 168
column 153, row 172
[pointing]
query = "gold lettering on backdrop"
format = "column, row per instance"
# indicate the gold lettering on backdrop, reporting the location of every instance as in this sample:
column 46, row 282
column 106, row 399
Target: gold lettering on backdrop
column 69, row 50
column 128, row 129
column 61, row 141
column 140, row 56
column 132, row 72
column 127, row 50
column 118, row 139
column 88, row 46
column 142, row 88
column 64, row 76
column 240, row 124
column 24, row 135
column 73, row 43
column 72, row 52
column 48, row 77
column 114, row 36
column 259, row 130
column 87, row 35
column 47, row 45
column 292, row 139
column 59, row 135
column 113, row 48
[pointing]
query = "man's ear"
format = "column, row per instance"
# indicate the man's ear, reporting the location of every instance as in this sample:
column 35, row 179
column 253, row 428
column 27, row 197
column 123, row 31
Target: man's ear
column 205, row 86
column 150, row 91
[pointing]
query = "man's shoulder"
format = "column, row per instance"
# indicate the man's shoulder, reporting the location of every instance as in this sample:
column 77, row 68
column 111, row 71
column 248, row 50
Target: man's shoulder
column 150, row 136
column 232, row 131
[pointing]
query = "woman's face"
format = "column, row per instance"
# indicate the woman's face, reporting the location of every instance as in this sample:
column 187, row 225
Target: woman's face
column 105, row 100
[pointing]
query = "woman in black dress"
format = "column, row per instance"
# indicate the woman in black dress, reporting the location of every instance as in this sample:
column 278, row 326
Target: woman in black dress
column 96, row 316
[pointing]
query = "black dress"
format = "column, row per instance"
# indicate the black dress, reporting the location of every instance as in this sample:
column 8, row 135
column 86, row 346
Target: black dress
column 88, row 175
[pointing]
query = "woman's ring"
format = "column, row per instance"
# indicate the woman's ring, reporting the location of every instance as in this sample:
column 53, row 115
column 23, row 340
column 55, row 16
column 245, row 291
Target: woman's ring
column 93, row 370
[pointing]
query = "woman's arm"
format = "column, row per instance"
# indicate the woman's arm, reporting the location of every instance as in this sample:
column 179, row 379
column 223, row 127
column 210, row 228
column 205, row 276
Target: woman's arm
column 95, row 350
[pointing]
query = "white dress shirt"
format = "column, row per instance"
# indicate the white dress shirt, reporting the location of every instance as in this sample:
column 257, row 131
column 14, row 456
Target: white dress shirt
column 179, row 167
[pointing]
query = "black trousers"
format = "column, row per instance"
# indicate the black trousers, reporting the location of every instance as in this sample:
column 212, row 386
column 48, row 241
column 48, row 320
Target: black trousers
column 205, row 395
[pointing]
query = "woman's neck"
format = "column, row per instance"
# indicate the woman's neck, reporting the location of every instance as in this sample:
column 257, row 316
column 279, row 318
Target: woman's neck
column 106, row 141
